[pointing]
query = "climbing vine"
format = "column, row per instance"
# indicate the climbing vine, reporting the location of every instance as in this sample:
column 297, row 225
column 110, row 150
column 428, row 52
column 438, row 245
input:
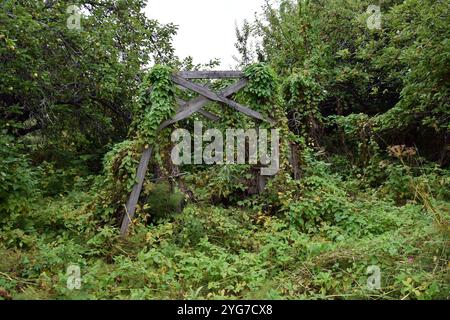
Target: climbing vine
column 155, row 104
column 262, row 88
column 263, row 94
column 157, row 101
column 302, row 95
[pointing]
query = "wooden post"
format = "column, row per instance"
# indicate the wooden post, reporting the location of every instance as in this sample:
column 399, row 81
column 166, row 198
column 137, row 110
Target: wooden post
column 134, row 197
column 294, row 160
column 261, row 180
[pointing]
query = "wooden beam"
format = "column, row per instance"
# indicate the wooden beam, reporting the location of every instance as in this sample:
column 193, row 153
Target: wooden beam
column 209, row 115
column 261, row 182
column 181, row 103
column 211, row 74
column 219, row 98
column 294, row 160
column 134, row 197
column 197, row 103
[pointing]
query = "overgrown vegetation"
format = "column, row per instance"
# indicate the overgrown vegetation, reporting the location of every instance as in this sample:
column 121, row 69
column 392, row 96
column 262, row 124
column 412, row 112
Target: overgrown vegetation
column 367, row 111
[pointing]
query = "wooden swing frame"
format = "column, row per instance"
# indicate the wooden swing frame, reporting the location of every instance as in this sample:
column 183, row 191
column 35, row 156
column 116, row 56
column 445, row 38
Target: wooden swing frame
column 187, row 109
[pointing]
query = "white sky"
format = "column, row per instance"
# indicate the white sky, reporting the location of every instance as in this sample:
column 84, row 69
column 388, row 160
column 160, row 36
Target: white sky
column 205, row 27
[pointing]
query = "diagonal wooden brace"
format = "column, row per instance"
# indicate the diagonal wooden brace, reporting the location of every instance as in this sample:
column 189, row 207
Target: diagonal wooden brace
column 183, row 106
column 206, row 92
column 198, row 103
column 134, row 197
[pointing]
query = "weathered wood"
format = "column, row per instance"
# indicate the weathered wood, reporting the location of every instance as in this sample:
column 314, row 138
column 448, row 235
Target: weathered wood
column 197, row 103
column 261, row 182
column 211, row 74
column 188, row 109
column 181, row 88
column 295, row 161
column 209, row 115
column 206, row 92
column 226, row 92
column 134, row 197
column 181, row 103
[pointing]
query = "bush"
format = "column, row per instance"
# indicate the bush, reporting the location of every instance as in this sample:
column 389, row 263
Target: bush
column 163, row 203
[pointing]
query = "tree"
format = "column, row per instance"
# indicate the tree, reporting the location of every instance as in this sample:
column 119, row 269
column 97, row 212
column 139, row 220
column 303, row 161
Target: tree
column 335, row 65
column 75, row 89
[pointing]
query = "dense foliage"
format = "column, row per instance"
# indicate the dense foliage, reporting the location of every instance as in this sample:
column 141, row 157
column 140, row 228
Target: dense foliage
column 364, row 111
column 74, row 89
column 333, row 64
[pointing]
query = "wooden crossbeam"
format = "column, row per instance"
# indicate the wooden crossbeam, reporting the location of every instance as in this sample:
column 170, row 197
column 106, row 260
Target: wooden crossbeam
column 197, row 103
column 211, row 74
column 183, row 105
column 206, row 92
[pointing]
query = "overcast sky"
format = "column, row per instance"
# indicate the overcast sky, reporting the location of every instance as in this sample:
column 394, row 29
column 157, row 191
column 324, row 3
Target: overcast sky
column 206, row 27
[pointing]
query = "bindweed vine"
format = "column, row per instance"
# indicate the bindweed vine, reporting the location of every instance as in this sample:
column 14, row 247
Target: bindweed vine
column 262, row 89
column 158, row 102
